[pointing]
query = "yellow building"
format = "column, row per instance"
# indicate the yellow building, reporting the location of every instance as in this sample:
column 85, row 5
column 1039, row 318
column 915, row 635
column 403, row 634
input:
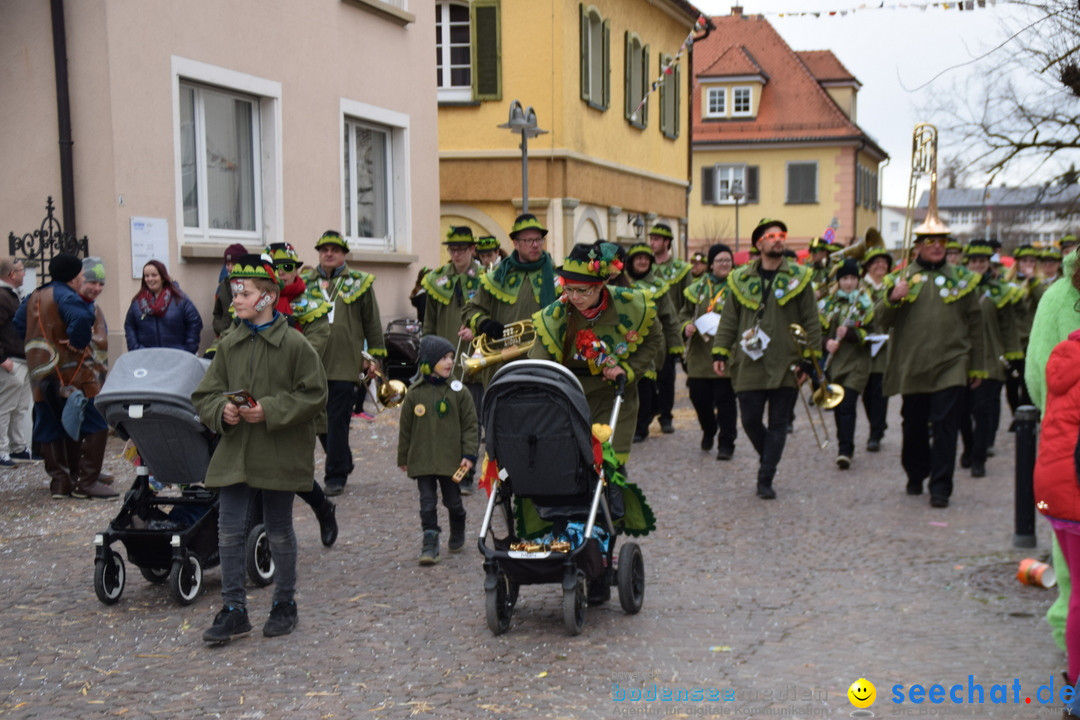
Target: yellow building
column 583, row 68
column 775, row 135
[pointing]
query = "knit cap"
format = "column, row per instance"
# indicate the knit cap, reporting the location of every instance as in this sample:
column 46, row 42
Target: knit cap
column 432, row 349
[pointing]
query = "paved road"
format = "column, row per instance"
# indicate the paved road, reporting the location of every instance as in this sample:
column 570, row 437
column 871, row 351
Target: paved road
column 779, row 605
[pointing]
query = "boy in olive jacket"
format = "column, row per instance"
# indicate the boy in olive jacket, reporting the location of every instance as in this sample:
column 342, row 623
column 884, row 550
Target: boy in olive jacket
column 262, row 394
column 437, row 443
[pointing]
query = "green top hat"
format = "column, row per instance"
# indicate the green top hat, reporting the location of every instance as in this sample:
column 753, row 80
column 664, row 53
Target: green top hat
column 874, row 253
column 978, row 248
column 586, row 264
column 525, row 222
column 951, row 244
column 254, row 266
column 1050, row 253
column 283, row 253
column 332, row 237
column 487, row 243
column 1025, row 251
column 663, row 230
column 459, row 235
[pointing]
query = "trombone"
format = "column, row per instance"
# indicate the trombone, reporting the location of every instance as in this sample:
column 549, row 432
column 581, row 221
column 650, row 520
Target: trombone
column 389, row 393
column 827, row 395
column 518, row 338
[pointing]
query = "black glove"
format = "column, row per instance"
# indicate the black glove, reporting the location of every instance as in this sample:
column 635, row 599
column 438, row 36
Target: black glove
column 492, row 328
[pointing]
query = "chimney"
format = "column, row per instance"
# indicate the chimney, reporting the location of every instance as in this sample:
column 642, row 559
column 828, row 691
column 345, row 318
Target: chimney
column 736, row 10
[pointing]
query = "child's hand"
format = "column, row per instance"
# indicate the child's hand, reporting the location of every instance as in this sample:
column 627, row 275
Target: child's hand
column 253, row 414
column 231, row 414
column 467, row 464
column 404, row 468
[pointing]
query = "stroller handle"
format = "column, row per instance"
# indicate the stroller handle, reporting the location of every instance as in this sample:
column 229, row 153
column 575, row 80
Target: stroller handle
column 620, row 385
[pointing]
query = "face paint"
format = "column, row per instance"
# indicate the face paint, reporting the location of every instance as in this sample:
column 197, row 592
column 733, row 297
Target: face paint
column 237, row 286
column 263, row 303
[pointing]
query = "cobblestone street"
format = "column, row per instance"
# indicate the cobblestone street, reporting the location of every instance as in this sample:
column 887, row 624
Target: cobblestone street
column 783, row 604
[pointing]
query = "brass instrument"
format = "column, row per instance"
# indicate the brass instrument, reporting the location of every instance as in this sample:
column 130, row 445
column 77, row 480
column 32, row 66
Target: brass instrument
column 857, row 251
column 390, row 393
column 827, row 395
column 518, row 338
column 923, row 162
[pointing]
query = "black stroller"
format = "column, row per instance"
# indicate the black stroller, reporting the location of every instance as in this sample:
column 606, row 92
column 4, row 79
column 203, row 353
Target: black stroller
column 539, row 433
column 171, row 535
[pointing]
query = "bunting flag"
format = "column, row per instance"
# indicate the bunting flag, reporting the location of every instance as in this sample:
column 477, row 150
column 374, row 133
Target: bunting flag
column 961, row 5
column 669, row 68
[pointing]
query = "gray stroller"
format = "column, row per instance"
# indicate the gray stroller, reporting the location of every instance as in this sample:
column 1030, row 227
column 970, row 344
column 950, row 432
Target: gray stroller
column 169, row 533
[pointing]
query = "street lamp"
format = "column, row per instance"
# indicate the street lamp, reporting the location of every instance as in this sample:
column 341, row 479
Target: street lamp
column 523, row 122
column 637, row 223
column 737, row 194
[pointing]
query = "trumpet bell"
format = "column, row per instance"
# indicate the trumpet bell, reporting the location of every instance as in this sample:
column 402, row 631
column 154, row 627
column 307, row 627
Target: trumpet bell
column 828, row 396
column 392, row 393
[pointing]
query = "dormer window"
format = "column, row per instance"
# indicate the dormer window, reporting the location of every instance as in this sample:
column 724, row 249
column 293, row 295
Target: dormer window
column 716, row 102
column 741, row 101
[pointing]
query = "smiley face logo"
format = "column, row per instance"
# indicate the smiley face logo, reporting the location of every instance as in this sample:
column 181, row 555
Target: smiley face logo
column 862, row 693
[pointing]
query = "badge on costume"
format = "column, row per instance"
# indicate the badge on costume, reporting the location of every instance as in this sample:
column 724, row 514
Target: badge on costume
column 456, row 385
column 419, row 410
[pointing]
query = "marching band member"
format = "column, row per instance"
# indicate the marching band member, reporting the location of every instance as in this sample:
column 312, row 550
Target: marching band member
column 1024, row 274
column 876, row 264
column 676, row 273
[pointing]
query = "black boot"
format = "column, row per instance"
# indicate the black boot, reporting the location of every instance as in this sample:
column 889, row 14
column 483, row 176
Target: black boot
column 327, row 516
column 429, row 551
column 457, row 534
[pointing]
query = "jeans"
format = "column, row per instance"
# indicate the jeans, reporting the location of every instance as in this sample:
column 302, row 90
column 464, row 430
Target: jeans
column 930, row 426
column 876, row 405
column 845, row 415
column 768, row 441
column 714, row 401
column 429, row 486
column 232, row 540
column 339, row 406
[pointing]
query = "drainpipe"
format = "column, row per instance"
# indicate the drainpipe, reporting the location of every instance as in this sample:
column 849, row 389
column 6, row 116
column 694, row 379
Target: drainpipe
column 63, row 116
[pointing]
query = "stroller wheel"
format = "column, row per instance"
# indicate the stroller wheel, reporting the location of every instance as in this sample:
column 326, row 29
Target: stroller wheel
column 631, row 578
column 185, row 579
column 499, row 603
column 158, row 576
column 259, row 562
column 109, row 577
column 574, row 602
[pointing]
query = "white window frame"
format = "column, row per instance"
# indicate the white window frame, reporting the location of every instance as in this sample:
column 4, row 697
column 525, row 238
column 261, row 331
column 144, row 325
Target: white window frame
column 398, row 197
column 707, row 110
column 446, row 91
column 266, row 154
column 735, row 93
column 724, row 178
column 594, row 57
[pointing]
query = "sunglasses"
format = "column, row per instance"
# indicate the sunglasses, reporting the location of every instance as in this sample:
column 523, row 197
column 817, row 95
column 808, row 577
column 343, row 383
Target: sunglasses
column 286, row 266
column 779, row 235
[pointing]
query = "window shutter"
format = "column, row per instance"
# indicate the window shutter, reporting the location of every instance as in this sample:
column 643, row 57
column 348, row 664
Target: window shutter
column 664, row 92
column 792, row 184
column 583, row 21
column 676, row 88
column 858, row 185
column 751, row 184
column 486, row 61
column 646, row 84
column 628, row 61
column 606, row 74
column 708, row 185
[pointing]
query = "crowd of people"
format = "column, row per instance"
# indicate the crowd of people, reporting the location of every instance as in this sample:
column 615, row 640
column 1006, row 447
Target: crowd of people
column 747, row 336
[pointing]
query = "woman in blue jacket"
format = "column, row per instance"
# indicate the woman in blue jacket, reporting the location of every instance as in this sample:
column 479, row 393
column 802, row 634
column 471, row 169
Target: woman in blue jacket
column 161, row 315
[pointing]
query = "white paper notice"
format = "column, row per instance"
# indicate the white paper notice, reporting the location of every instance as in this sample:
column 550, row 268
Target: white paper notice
column 149, row 241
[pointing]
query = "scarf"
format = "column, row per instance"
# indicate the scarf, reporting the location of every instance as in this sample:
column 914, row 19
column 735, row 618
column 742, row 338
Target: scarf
column 547, row 288
column 259, row 328
column 289, row 293
column 148, row 305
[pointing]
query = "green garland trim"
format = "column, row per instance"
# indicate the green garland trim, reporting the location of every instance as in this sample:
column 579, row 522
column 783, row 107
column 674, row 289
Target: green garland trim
column 792, row 277
column 673, row 271
column 443, row 293
column 353, row 285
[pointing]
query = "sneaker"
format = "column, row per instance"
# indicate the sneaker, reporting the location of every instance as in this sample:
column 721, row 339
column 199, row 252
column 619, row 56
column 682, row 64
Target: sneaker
column 230, row 623
column 25, row 456
column 282, row 619
column 363, row 415
column 6, row 462
column 843, row 462
column 429, row 552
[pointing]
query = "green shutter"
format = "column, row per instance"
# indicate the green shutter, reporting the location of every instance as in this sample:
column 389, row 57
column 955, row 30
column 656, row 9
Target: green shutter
column 646, row 84
column 676, row 87
column 708, row 185
column 664, row 119
column 607, row 64
column 583, row 25
column 486, row 57
column 628, row 61
column 751, row 184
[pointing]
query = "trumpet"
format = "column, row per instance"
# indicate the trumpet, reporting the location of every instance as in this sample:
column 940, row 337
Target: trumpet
column 518, row 338
column 389, row 393
column 827, row 395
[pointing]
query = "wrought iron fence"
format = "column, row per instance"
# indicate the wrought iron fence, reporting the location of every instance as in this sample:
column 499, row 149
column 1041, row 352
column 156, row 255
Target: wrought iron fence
column 42, row 245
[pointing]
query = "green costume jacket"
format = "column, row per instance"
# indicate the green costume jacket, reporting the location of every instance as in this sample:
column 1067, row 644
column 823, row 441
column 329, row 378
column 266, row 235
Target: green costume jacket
column 1057, row 316
column 353, row 318
column 437, row 429
column 699, row 298
column 283, row 373
column 937, row 338
column 850, row 366
column 666, row 313
column 676, row 273
column 1001, row 340
column 790, row 300
column 628, row 335
column 878, row 362
column 447, row 293
column 1028, row 293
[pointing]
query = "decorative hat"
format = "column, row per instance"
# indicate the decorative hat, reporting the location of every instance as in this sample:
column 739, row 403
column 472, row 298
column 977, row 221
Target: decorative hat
column 640, row 248
column 282, row 253
column 65, row 267
column 487, row 243
column 1050, row 253
column 716, row 249
column 432, row 349
column 850, row 266
column 234, row 251
column 1026, row 250
column 978, row 248
column 698, row 257
column 763, row 225
column 1068, row 241
column 525, row 222
column 254, row 266
column 93, row 269
column 874, row 254
column 663, row 230
column 613, row 254
column 332, row 237
column 953, row 244
column 459, row 235
column 585, row 264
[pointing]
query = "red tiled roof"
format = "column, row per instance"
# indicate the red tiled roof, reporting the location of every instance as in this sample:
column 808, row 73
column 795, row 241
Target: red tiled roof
column 793, row 107
column 733, row 61
column 825, row 66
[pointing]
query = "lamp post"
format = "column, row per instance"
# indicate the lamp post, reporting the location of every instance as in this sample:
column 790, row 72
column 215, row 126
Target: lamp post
column 637, row 223
column 737, row 194
column 523, row 122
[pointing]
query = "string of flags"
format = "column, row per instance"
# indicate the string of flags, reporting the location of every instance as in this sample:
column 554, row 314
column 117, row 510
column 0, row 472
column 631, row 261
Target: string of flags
column 669, row 67
column 961, row 5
